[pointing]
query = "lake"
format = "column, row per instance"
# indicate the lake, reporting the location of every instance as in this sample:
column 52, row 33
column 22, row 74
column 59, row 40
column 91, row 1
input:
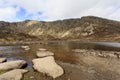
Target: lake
column 64, row 56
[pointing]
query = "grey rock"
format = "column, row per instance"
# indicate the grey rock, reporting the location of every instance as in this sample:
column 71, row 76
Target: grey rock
column 2, row 60
column 43, row 53
column 48, row 66
column 42, row 49
column 16, row 74
column 12, row 65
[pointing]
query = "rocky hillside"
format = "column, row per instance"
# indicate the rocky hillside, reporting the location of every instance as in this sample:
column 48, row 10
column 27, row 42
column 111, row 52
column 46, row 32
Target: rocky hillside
column 9, row 32
column 87, row 28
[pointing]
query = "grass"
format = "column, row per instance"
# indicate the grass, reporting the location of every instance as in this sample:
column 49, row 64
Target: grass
column 2, row 71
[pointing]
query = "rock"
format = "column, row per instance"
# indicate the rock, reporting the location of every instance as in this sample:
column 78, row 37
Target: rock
column 2, row 60
column 12, row 65
column 79, row 50
column 44, row 53
column 117, row 55
column 93, row 53
column 32, row 77
column 48, row 66
column 25, row 48
column 42, row 49
column 16, row 74
column 69, row 79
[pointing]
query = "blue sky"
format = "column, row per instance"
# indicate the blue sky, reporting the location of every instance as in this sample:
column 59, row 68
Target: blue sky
column 49, row 10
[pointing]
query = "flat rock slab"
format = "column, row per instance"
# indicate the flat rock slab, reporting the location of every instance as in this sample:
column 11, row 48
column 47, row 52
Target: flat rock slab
column 24, row 47
column 2, row 60
column 48, row 66
column 16, row 74
column 43, row 53
column 42, row 49
column 12, row 65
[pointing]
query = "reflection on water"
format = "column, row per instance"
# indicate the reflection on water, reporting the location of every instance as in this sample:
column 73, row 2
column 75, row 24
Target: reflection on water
column 68, row 46
column 62, row 50
column 63, row 54
column 113, row 44
column 10, row 49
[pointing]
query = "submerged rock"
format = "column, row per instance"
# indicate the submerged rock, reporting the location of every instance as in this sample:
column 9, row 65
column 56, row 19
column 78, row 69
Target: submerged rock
column 12, row 65
column 2, row 60
column 25, row 48
column 48, row 66
column 43, row 53
column 16, row 74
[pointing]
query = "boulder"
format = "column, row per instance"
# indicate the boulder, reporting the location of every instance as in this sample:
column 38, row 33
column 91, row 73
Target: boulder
column 16, row 74
column 48, row 66
column 43, row 53
column 12, row 65
column 2, row 60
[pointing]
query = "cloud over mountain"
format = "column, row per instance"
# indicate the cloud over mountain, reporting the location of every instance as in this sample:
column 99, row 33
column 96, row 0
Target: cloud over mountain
column 17, row 10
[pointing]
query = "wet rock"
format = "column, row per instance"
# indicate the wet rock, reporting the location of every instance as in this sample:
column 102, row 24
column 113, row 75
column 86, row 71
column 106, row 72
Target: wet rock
column 2, row 60
column 43, row 53
column 48, row 66
column 25, row 48
column 16, row 74
column 12, row 65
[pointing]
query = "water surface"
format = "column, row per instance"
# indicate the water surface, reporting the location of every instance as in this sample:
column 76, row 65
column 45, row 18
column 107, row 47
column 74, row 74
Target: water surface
column 63, row 51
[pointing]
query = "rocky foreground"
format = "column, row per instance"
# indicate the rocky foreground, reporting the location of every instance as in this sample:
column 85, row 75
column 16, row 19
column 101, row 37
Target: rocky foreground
column 44, row 64
column 15, row 74
column 12, row 70
column 98, row 53
column 90, row 65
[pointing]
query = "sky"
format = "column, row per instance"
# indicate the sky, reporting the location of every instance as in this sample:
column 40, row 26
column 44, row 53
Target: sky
column 50, row 10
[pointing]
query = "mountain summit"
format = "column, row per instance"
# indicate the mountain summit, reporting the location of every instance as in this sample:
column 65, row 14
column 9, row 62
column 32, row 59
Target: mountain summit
column 88, row 28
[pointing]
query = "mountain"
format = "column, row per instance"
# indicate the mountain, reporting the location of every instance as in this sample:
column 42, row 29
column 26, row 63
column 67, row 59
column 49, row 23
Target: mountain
column 10, row 33
column 87, row 28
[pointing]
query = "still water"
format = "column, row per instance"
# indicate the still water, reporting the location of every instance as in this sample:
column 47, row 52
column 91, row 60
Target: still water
column 63, row 50
column 58, row 47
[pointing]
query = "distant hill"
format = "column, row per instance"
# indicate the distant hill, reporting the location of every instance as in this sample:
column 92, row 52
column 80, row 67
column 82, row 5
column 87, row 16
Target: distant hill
column 88, row 28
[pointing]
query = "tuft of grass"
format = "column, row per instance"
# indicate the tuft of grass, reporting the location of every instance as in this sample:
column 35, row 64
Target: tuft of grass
column 2, row 71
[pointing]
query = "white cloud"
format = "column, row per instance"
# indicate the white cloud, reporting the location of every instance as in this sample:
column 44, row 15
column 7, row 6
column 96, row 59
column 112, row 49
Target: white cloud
column 61, row 9
column 7, row 14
